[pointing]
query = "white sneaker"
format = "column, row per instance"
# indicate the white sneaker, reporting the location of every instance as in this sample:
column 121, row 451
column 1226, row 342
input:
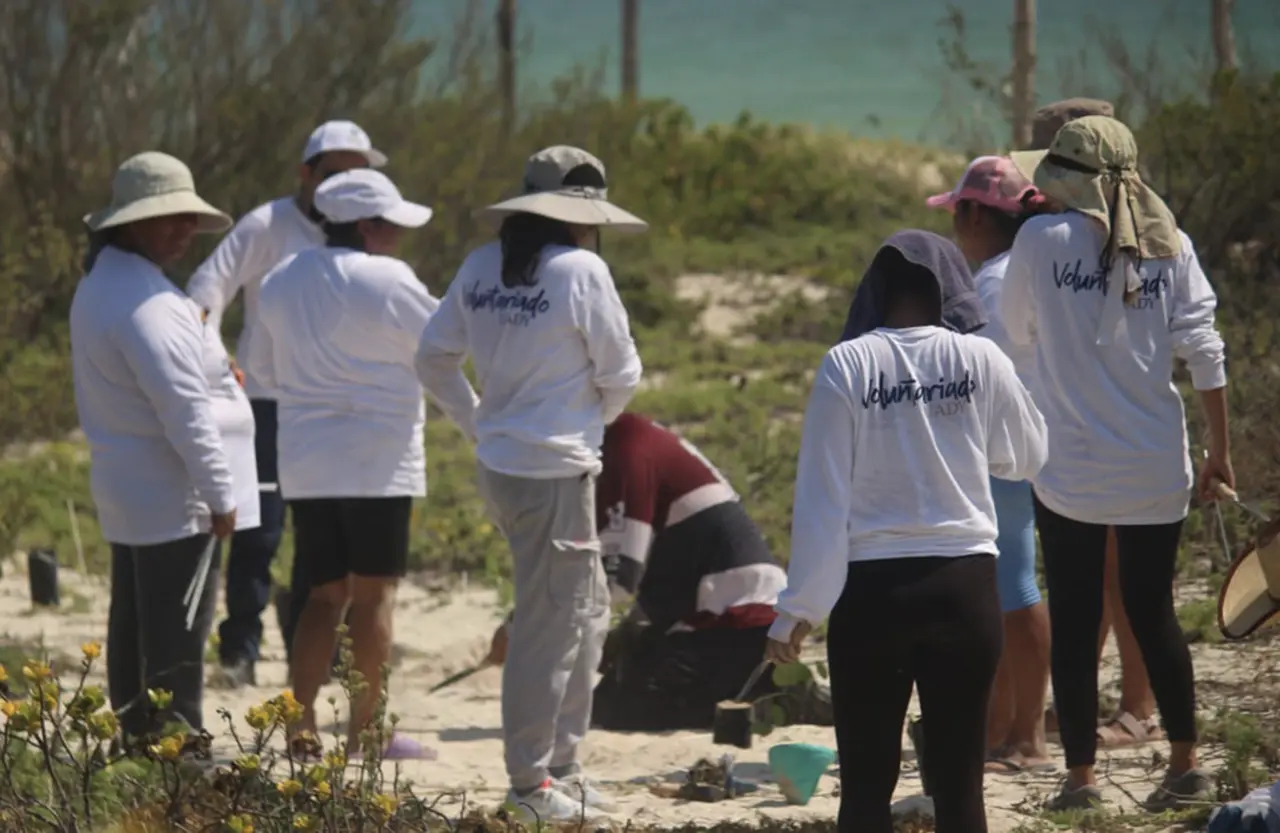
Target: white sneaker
column 579, row 788
column 546, row 805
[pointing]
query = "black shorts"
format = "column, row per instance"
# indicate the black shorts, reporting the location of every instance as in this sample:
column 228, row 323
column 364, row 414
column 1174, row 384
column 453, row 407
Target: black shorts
column 341, row 536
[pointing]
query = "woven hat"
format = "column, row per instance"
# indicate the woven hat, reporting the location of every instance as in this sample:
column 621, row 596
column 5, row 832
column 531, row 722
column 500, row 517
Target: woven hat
column 154, row 184
column 1049, row 119
column 566, row 184
column 1250, row 596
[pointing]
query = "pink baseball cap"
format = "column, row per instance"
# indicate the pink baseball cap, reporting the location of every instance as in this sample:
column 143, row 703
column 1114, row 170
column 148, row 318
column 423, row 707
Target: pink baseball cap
column 993, row 181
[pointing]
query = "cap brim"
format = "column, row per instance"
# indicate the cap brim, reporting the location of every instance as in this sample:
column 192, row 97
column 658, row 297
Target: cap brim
column 947, row 200
column 1244, row 604
column 408, row 215
column 582, row 211
column 377, row 159
column 209, row 220
column 1028, row 162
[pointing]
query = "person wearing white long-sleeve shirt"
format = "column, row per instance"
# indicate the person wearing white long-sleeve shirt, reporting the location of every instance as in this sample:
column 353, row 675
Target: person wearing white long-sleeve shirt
column 340, row 327
column 894, row 533
column 553, row 353
column 988, row 205
column 1111, row 293
column 258, row 242
column 159, row 474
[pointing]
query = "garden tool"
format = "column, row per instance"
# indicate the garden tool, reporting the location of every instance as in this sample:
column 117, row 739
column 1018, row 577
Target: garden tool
column 459, row 677
column 732, row 724
column 195, row 590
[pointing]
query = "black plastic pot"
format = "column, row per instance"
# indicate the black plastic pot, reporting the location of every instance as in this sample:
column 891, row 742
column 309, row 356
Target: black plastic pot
column 42, row 573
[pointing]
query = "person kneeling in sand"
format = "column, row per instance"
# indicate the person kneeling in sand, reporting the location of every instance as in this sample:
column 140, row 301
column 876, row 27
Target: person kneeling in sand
column 680, row 545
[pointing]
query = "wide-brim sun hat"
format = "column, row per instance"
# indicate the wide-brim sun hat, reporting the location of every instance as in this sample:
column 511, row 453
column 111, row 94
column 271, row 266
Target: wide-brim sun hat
column 366, row 194
column 1049, row 119
column 154, row 184
column 1249, row 600
column 567, row 184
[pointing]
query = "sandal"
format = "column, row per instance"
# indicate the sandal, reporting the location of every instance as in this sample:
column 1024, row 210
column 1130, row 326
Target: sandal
column 1008, row 762
column 1124, row 730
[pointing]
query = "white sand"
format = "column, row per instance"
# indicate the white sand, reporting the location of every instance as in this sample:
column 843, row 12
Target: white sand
column 438, row 633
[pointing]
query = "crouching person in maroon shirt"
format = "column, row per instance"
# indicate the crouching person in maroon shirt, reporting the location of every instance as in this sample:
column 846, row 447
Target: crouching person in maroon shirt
column 682, row 551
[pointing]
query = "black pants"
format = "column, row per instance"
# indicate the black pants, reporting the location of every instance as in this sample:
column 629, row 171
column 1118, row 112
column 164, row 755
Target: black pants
column 148, row 644
column 1074, row 565
column 934, row 623
column 253, row 550
column 669, row 681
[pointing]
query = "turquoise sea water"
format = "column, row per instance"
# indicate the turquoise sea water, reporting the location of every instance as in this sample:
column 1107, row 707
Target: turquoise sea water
column 869, row 66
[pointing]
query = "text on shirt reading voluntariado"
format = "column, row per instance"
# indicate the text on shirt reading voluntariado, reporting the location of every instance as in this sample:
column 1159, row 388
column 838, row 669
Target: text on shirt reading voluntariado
column 1068, row 276
column 949, row 395
column 516, row 307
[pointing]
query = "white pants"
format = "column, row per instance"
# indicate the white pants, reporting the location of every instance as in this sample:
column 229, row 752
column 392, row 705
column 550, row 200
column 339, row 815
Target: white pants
column 561, row 617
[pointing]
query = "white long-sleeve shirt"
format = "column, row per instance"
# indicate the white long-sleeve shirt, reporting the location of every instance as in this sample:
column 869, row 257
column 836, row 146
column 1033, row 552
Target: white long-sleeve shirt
column 137, row 352
column 989, row 279
column 555, row 361
column 902, row 430
column 339, row 332
column 260, row 240
column 233, row 415
column 1117, row 427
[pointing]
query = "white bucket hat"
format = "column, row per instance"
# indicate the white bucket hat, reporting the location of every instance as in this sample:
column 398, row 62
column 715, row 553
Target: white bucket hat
column 566, row 184
column 342, row 135
column 154, row 184
column 363, row 194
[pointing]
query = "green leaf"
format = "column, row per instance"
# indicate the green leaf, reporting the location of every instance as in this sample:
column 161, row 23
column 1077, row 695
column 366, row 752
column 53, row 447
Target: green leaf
column 791, row 674
column 821, row 668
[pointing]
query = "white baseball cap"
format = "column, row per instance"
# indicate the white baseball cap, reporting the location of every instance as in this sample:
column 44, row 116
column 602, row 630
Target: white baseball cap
column 363, row 194
column 342, row 135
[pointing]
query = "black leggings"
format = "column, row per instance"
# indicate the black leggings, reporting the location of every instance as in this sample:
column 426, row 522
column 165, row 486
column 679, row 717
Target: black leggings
column 934, row 622
column 1074, row 564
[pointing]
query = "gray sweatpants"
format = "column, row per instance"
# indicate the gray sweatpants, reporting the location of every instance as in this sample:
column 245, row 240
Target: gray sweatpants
column 561, row 617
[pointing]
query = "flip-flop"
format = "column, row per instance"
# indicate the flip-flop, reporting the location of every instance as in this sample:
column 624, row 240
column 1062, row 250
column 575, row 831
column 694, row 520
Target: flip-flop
column 404, row 748
column 1011, row 766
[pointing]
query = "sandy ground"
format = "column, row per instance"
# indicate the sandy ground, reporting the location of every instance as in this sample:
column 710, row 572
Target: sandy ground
column 438, row 633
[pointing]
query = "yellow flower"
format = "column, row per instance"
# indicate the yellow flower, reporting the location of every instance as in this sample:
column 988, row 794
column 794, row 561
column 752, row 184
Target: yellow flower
column 289, row 788
column 248, row 764
column 160, row 698
column 323, row 791
column 169, row 748
column 258, row 717
column 484, row 529
column 288, row 707
column 104, row 725
column 240, row 824
column 36, row 671
column 306, row 823
column 4, row 674
column 335, row 761
column 384, row 805
column 9, row 708
column 91, row 651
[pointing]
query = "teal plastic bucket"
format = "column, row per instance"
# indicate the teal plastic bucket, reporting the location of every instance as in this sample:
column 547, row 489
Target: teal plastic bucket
column 797, row 767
